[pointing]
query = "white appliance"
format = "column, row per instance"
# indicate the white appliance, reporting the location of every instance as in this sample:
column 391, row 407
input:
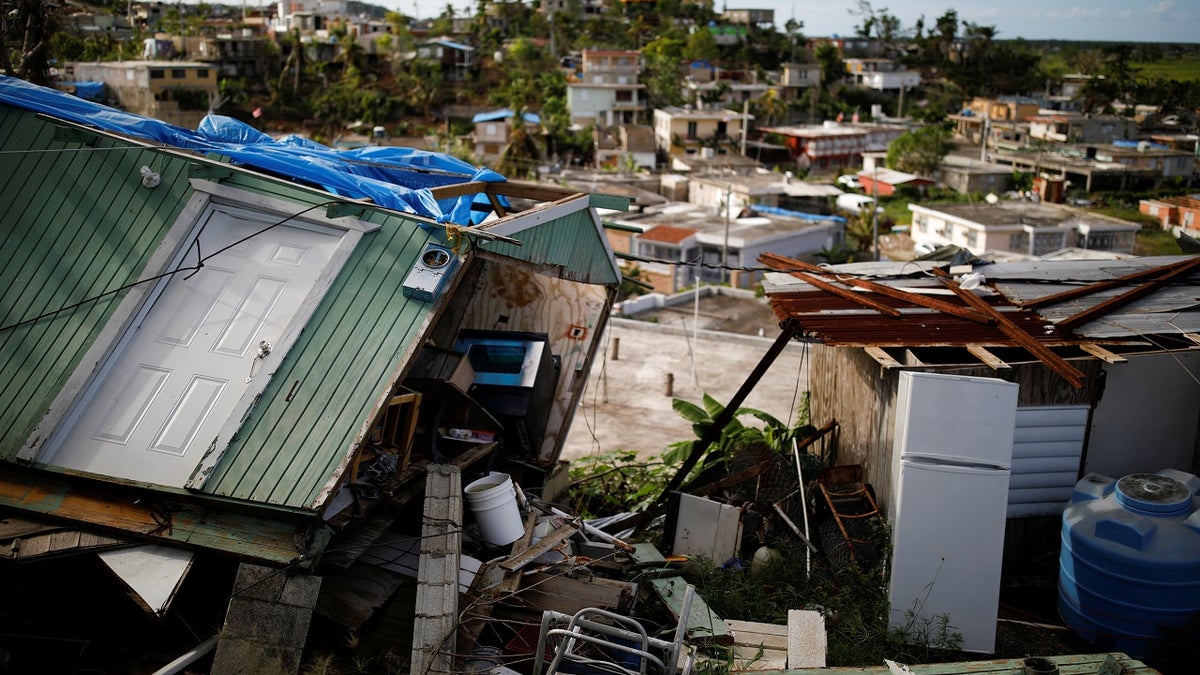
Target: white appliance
column 954, row 440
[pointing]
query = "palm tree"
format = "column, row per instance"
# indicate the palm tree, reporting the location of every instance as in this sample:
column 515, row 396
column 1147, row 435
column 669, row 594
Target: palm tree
column 520, row 157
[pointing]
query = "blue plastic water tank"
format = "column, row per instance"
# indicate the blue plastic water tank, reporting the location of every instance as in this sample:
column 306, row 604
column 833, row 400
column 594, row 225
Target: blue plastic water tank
column 1130, row 560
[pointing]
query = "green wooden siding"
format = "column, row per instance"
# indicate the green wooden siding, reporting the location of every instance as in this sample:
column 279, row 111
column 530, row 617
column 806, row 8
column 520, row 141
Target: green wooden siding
column 75, row 223
column 335, row 373
column 574, row 242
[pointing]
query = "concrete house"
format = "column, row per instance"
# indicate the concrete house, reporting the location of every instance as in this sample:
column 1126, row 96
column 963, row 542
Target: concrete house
column 665, row 238
column 494, row 129
column 225, row 347
column 1031, row 228
column 607, row 92
column 178, row 92
column 689, row 130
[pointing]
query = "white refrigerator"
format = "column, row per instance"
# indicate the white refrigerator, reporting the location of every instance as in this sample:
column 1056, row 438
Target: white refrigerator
column 953, row 449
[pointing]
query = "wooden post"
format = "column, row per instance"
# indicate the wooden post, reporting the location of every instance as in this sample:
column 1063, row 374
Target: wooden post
column 616, row 349
column 670, row 384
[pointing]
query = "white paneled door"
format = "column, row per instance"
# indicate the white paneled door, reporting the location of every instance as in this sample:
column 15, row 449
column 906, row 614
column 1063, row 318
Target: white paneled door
column 159, row 401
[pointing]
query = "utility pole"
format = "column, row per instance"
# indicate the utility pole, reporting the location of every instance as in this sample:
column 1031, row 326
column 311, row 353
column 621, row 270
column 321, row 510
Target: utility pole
column 725, row 246
column 745, row 123
column 875, row 210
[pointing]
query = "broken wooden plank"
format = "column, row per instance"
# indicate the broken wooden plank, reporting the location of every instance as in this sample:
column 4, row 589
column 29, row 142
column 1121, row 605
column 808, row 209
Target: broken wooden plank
column 1102, row 353
column 568, row 595
column 702, row 623
column 758, row 646
column 882, row 357
column 1100, row 309
column 645, row 554
column 989, row 359
column 519, row 560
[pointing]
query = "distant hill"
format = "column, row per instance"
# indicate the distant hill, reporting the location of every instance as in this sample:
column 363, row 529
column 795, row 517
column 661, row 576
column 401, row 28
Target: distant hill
column 366, row 8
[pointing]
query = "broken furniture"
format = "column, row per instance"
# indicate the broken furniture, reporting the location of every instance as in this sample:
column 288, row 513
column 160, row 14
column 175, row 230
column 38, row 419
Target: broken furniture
column 594, row 640
column 848, row 518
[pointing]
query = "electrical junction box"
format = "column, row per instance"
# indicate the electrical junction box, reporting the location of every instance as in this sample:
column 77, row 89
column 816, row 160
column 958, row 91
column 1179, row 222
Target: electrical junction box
column 428, row 278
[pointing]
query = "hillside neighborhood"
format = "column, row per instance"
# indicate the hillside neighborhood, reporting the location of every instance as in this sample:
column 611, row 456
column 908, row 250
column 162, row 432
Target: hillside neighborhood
column 593, row 337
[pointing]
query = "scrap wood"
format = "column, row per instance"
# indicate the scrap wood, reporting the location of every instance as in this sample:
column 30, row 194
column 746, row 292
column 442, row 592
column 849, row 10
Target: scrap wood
column 1025, row 340
column 523, row 558
column 758, row 646
column 566, row 594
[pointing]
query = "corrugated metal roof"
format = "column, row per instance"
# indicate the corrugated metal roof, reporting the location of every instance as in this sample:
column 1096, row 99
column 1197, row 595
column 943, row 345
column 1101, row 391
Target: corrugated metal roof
column 1169, row 310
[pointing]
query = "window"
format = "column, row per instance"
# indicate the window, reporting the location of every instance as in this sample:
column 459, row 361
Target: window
column 178, row 74
column 722, row 128
column 157, row 74
column 202, row 73
column 691, row 131
column 1018, row 242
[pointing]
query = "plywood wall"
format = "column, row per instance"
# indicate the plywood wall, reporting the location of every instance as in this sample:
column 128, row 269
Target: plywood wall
column 851, row 387
column 572, row 314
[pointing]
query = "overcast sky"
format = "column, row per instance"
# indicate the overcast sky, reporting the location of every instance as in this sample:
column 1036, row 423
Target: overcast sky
column 1111, row 20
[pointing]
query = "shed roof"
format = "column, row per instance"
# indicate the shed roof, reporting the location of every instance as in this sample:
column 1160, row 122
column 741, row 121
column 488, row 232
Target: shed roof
column 1040, row 307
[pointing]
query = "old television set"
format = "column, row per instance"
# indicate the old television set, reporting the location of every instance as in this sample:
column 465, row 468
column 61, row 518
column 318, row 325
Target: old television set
column 515, row 379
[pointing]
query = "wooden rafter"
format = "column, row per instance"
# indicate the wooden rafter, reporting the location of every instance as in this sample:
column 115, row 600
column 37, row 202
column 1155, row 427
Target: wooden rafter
column 784, row 263
column 1043, row 353
column 989, row 359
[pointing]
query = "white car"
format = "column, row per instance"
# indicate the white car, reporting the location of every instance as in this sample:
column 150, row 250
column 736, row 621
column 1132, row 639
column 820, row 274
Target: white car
column 849, row 181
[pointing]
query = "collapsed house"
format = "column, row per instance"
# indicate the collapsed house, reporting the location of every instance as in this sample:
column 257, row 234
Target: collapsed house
column 220, row 346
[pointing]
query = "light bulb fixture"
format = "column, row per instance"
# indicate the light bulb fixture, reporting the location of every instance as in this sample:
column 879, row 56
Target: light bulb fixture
column 150, row 179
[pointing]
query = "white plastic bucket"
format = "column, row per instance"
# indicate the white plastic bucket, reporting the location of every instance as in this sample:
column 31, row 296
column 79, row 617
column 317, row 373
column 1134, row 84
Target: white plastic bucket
column 493, row 501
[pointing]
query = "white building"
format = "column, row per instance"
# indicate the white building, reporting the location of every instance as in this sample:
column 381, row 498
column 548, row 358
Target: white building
column 1030, row 228
column 608, row 92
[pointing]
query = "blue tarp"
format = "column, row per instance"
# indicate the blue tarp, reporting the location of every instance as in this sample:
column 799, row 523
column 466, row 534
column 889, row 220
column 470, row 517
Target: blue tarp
column 776, row 211
column 91, row 91
column 392, row 177
column 504, row 114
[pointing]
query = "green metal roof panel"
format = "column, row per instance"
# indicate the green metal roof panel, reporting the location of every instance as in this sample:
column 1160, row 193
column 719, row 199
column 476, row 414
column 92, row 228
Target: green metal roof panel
column 73, row 226
column 320, row 398
column 574, row 242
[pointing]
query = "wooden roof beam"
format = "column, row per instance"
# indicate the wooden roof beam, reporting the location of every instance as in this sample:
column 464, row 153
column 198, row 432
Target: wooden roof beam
column 989, row 359
column 883, row 358
column 784, row 263
column 1025, row 340
column 1102, row 353
column 848, row 294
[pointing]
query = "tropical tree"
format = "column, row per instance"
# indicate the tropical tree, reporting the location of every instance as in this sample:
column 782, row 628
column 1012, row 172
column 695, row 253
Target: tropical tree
column 773, row 435
column 519, row 158
column 919, row 151
column 26, row 33
column 662, row 58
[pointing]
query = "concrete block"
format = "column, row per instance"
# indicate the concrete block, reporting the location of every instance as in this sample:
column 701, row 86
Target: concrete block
column 807, row 640
column 266, row 625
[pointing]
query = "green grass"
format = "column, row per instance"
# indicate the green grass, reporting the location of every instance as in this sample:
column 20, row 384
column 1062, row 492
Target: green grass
column 1182, row 71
